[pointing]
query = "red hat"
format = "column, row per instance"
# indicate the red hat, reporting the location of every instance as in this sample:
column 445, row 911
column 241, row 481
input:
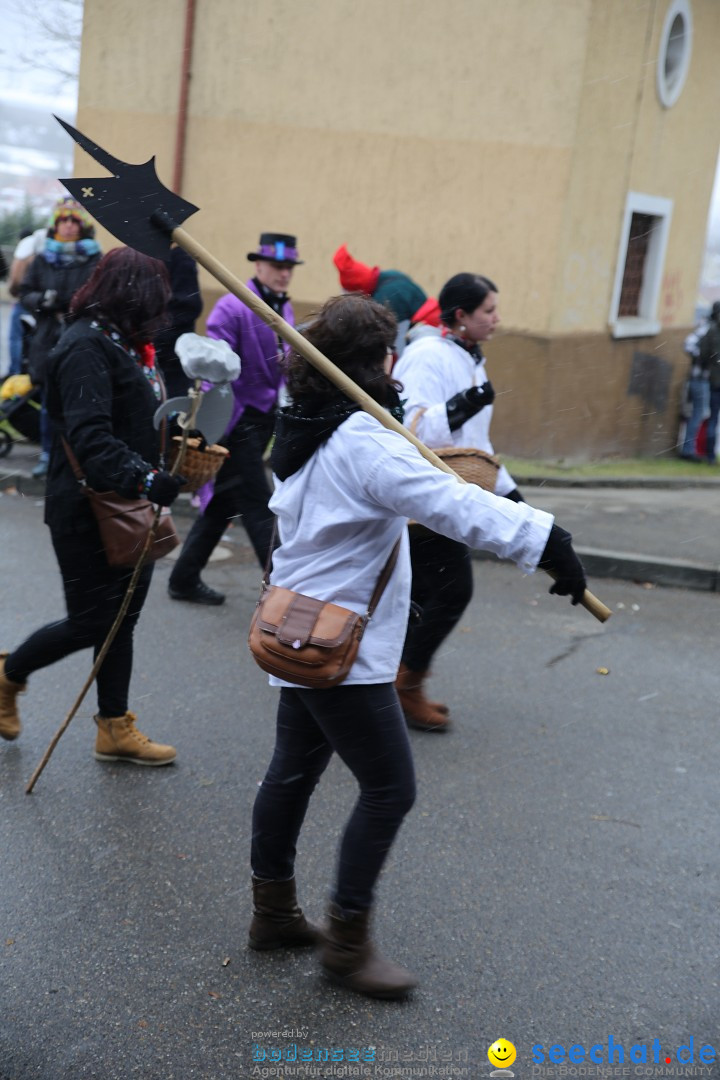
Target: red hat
column 429, row 313
column 355, row 276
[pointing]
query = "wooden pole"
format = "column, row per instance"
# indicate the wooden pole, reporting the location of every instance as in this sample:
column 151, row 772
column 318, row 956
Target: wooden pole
column 331, row 371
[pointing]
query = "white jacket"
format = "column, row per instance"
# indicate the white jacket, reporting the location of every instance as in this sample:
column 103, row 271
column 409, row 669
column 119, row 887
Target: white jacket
column 432, row 370
column 341, row 513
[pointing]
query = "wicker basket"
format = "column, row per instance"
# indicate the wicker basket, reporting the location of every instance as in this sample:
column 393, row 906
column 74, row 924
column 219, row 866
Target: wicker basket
column 475, row 466
column 199, row 465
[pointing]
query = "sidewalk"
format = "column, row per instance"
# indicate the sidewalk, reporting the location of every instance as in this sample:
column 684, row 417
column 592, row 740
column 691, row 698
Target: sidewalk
column 667, row 533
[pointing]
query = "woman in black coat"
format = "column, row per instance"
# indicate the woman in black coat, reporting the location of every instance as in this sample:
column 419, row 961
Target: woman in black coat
column 102, row 390
column 68, row 258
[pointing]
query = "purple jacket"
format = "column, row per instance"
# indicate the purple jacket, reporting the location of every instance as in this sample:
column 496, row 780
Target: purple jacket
column 256, row 344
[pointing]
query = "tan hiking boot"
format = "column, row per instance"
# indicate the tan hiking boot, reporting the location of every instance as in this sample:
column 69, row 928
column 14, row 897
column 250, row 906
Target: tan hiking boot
column 420, row 713
column 10, row 726
column 119, row 740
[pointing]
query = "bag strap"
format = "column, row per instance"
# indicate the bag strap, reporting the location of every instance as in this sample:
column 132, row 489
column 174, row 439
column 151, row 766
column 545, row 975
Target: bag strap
column 74, row 463
column 380, row 586
column 416, row 420
column 385, row 575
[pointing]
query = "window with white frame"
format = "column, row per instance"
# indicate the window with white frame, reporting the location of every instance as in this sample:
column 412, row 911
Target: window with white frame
column 675, row 52
column 639, row 271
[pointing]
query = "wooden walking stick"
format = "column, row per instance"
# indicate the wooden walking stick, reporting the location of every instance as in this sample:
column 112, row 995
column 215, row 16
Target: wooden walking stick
column 122, row 612
column 139, row 211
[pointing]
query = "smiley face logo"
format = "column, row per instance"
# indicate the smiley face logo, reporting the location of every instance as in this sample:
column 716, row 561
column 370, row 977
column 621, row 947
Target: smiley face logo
column 501, row 1054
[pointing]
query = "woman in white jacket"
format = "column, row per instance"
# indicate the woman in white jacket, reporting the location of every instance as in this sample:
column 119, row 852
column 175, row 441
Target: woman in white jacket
column 449, row 402
column 345, row 488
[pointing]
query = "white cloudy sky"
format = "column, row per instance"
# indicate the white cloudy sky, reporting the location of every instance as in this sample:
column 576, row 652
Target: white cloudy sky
column 27, row 48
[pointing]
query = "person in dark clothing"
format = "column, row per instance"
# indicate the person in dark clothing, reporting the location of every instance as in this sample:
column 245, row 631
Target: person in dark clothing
column 710, row 361
column 67, row 260
column 241, row 489
column 184, row 309
column 102, row 391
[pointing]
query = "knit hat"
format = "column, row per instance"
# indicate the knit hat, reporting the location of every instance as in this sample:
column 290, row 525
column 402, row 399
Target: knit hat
column 355, row 276
column 68, row 207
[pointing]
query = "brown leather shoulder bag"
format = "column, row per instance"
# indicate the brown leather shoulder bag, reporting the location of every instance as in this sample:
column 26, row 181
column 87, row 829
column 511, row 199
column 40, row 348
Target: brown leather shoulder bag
column 124, row 524
column 306, row 641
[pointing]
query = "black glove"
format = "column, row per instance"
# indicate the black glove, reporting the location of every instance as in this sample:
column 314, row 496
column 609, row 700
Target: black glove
column 560, row 560
column 164, row 488
column 513, row 496
column 467, row 403
column 48, row 299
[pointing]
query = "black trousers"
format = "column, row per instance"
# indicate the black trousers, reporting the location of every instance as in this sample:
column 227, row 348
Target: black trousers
column 442, row 585
column 366, row 727
column 241, row 486
column 93, row 594
column 241, row 490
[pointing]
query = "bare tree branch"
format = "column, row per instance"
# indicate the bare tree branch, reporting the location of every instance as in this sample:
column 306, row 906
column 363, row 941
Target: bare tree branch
column 57, row 27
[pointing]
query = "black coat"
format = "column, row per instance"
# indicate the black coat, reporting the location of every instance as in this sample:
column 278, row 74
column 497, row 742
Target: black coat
column 184, row 308
column 100, row 400
column 65, row 281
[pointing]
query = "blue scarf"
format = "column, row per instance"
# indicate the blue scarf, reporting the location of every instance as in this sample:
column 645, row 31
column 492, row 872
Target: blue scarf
column 58, row 253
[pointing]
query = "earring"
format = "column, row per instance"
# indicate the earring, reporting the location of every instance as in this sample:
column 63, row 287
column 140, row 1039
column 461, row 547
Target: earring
column 462, row 328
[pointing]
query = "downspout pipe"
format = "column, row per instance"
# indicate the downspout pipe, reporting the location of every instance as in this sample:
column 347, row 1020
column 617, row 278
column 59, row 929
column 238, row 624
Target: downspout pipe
column 185, row 75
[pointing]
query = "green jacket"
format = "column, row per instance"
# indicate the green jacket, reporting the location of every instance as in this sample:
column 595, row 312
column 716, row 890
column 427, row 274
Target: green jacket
column 400, row 293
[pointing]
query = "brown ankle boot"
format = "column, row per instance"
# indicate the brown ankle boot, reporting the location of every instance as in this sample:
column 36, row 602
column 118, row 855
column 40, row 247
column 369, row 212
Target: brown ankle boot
column 419, row 712
column 277, row 920
column 10, row 725
column 119, row 740
column 349, row 959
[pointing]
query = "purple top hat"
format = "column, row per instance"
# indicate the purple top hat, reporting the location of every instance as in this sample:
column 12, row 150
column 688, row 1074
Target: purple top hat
column 276, row 247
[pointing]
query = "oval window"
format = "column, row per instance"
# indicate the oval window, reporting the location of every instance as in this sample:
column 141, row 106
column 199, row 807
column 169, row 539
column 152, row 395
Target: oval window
column 675, row 49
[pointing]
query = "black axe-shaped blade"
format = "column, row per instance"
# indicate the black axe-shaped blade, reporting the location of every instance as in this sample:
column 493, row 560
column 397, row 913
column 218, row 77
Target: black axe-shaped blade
column 114, row 201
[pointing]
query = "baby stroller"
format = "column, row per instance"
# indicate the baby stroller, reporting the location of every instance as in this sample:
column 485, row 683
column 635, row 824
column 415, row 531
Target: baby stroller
column 19, row 412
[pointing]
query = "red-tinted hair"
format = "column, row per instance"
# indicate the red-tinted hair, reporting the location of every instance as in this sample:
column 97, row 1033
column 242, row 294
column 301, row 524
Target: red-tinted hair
column 129, row 290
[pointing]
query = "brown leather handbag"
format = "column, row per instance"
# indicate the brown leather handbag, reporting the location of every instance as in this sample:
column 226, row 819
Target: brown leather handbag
column 305, row 641
column 124, row 524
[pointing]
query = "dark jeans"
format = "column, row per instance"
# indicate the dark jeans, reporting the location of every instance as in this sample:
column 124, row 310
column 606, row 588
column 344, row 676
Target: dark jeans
column 712, row 425
column 442, row 585
column 698, row 393
column 241, row 486
column 16, row 339
column 93, row 595
column 366, row 727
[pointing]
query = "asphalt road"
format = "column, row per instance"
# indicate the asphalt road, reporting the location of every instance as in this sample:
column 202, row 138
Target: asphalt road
column 556, row 883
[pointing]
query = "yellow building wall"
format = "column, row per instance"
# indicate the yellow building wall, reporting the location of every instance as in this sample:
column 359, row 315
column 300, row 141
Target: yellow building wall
column 398, row 127
column 627, row 141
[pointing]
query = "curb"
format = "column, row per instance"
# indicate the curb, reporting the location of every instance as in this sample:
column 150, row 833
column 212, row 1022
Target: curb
column 31, row 488
column 621, row 565
column 666, row 484
column 642, row 569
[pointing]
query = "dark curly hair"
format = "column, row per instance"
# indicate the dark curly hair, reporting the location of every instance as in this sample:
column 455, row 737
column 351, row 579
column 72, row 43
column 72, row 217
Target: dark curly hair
column 355, row 333
column 130, row 290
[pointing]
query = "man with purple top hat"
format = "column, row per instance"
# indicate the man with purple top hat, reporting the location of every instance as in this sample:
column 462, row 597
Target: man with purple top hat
column 241, row 488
